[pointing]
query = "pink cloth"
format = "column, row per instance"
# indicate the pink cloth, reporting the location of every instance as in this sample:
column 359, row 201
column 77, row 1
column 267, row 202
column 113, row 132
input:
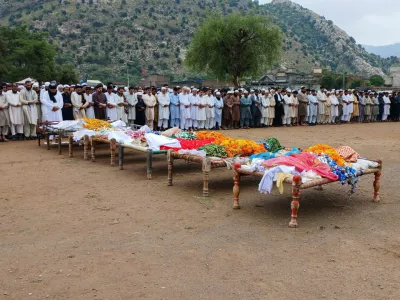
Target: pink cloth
column 303, row 162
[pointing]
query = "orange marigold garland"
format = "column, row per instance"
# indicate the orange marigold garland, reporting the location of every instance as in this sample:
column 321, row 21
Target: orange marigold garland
column 233, row 147
column 320, row 149
column 95, row 124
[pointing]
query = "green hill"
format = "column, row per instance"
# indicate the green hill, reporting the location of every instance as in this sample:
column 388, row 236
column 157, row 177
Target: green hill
column 101, row 36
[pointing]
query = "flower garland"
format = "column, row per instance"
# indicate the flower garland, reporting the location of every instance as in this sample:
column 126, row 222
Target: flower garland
column 346, row 174
column 233, row 147
column 321, row 149
column 95, row 124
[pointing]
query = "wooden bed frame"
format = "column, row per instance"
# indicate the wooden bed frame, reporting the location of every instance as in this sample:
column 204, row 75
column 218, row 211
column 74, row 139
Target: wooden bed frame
column 297, row 186
column 91, row 142
column 206, row 165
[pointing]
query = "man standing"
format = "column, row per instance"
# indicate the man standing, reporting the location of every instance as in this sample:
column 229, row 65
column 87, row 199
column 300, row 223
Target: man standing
column 131, row 101
column 29, row 100
column 16, row 113
column 210, row 111
column 174, row 108
column 321, row 106
column 255, row 108
column 99, row 103
column 89, row 111
column 140, row 110
column 184, row 108
column 156, row 113
column 194, row 109
column 264, row 107
column 51, row 105
column 4, row 117
column 303, row 106
column 312, row 117
column 227, row 111
column 219, row 105
column 150, row 102
column 236, row 109
column 35, row 87
column 361, row 106
column 334, row 108
column 201, row 114
column 79, row 103
column 279, row 109
column 163, row 109
column 67, row 109
column 287, row 108
column 295, row 108
column 121, row 103
column 111, row 104
column 245, row 112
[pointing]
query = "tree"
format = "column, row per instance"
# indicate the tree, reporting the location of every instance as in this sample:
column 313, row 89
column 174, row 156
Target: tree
column 377, row 80
column 234, row 45
column 66, row 74
column 328, row 80
column 355, row 83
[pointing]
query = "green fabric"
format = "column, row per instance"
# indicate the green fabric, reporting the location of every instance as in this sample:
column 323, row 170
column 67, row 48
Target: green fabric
column 274, row 145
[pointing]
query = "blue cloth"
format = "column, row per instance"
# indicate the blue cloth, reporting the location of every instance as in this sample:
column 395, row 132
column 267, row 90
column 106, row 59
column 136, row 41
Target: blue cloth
column 269, row 155
column 173, row 108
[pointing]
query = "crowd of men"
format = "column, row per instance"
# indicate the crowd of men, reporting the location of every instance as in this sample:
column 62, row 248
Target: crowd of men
column 22, row 107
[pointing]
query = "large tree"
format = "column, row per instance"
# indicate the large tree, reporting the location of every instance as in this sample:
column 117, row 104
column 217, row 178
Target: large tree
column 234, row 45
column 377, row 80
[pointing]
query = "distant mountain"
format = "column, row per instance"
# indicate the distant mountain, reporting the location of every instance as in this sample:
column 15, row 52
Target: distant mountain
column 384, row 51
column 101, row 36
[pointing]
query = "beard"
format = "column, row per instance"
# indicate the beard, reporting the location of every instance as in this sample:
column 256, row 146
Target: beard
column 28, row 88
column 15, row 92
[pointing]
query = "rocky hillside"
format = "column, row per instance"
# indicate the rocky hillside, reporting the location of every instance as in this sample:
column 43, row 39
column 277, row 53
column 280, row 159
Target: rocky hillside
column 108, row 39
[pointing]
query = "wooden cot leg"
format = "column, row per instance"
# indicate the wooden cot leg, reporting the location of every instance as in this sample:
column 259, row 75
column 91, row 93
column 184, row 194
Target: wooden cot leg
column 113, row 149
column 86, row 144
column 121, row 157
column 170, row 160
column 59, row 142
column 70, row 145
column 377, row 186
column 206, row 175
column 149, row 163
column 48, row 140
column 93, row 149
column 236, row 189
column 295, row 200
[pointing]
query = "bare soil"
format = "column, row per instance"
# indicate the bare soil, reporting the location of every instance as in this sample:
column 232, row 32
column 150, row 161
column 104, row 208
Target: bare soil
column 73, row 229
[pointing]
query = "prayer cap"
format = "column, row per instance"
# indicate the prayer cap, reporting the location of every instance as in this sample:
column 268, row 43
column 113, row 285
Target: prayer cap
column 236, row 91
column 163, row 88
column 217, row 93
column 139, row 93
column 245, row 92
column 66, row 86
column 46, row 84
column 84, row 84
column 303, row 87
column 35, row 84
column 288, row 90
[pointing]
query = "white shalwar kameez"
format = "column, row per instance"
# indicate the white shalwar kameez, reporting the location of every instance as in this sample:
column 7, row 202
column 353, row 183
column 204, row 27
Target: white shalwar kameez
column 78, row 106
column 264, row 110
column 4, row 115
column 386, row 108
column 194, row 109
column 287, row 117
column 121, row 114
column 131, row 99
column 334, row 108
column 202, row 115
column 29, row 100
column 150, row 101
column 210, row 112
column 111, row 112
column 219, row 105
column 90, row 108
column 48, row 105
column 184, row 106
column 321, row 107
column 16, row 113
column 163, row 110
column 345, row 115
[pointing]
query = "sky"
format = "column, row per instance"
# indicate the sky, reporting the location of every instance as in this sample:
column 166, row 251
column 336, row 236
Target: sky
column 370, row 22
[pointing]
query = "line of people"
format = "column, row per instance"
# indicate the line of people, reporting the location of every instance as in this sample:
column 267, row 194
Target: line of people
column 189, row 108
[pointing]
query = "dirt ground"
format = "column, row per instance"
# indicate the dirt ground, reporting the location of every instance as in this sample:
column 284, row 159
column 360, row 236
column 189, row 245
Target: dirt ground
column 73, row 229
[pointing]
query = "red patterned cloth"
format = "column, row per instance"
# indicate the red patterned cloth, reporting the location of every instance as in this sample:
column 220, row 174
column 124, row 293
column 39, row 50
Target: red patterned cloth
column 348, row 154
column 303, row 162
column 189, row 144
